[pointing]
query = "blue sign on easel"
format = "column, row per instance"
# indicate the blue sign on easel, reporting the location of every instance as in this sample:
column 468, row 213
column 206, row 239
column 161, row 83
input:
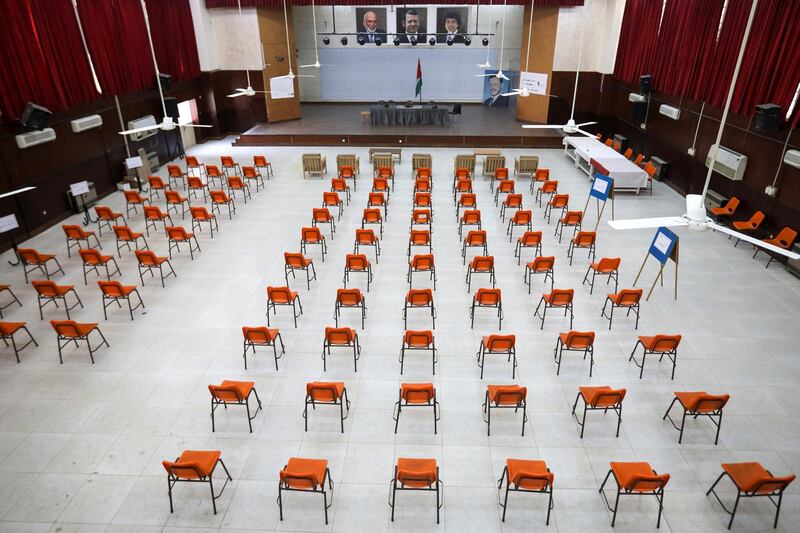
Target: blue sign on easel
column 663, row 244
column 601, row 187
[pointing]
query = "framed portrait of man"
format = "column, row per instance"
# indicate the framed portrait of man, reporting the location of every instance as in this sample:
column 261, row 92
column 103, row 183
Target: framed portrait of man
column 412, row 24
column 371, row 23
column 451, row 24
column 493, row 89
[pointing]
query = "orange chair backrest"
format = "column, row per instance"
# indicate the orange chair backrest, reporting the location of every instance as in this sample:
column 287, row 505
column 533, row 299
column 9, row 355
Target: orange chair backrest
column 585, row 238
column 475, row 238
column 123, row 233
column 572, row 218
column 501, row 173
column 74, row 232
column 294, row 260
column 249, row 172
column 173, row 197
column 146, row 257
column 501, row 343
column 416, row 473
column 418, row 339
column 550, row 186
column 66, row 328
column 349, row 297
column 225, row 393
column 424, row 172
column 174, row 171
column 422, row 198
column 785, row 238
column 258, row 335
column 756, row 220
column 464, row 185
column 559, row 200
column 385, row 172
column 183, row 471
column 339, row 335
column 708, row 403
column 380, row 184
column 191, row 161
column 650, row 169
column 420, row 237
column 91, row 257
column 235, row 182
column 732, row 205
column 542, row 263
column 579, row 340
column 609, row 141
column 338, row 184
column 227, row 161
column 506, row 186
column 628, row 153
column 321, row 214
column 482, row 263
column 629, row 296
column 608, row 398
column 422, row 262
column 200, row 213
column 608, row 264
column 638, row 160
column 471, row 216
column 421, row 216
column 155, row 182
column 365, row 236
column 45, row 287
column 279, row 294
column 422, row 184
column 372, row 215
column 420, row 393
column 462, row 173
column 772, row 484
column 488, row 296
column 346, row 171
column 376, row 198
column 152, row 212
column 542, row 174
column 530, row 478
column 468, row 200
column 422, row 297
column 522, row 217
column 219, row 197
column 132, row 197
column 311, row 235
column 259, row 161
column 29, row 256
column 665, row 343
column 324, row 391
column 356, row 262
column 509, row 395
column 177, row 233
column 331, row 198
column 561, row 296
column 104, row 213
column 513, row 200
column 113, row 289
column 193, row 182
column 213, row 171
column 648, row 483
column 531, row 238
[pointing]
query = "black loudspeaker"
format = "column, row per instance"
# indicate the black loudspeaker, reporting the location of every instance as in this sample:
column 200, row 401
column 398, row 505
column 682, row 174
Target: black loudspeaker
column 166, row 81
column 35, row 116
column 171, row 105
column 644, row 83
column 639, row 112
column 768, row 117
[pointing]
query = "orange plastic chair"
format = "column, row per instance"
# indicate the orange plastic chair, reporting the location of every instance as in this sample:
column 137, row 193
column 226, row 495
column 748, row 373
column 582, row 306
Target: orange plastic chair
column 521, row 219
column 261, row 336
column 424, row 173
column 33, row 260
column 752, row 480
column 471, row 217
column 174, row 173
column 527, row 476
column 156, row 185
column 321, row 215
column 726, row 211
column 491, row 298
column 571, row 219
column 177, row 235
column 557, row 299
column 252, row 175
column 313, row 236
column 609, row 142
column 699, row 404
column 357, row 263
column 195, row 184
column 352, row 299
column 639, row 159
column 174, row 199
column 7, row 288
column 549, row 188
column 650, row 169
column 418, row 340
column 305, row 475
column 199, row 215
column 582, row 239
column 636, row 479
column 294, row 261
column 228, row 165
column 422, row 200
column 422, row 184
column 236, row 183
column 68, row 331
column 195, row 466
column 259, row 161
column 461, row 173
column 504, row 397
column 500, row 175
column 540, row 176
column 372, row 216
column 461, row 186
column 628, row 153
column 48, row 292
column 346, row 172
column 233, row 393
column 152, row 216
column 126, row 236
column 283, row 296
column 512, row 201
column 341, row 338
column 784, row 239
column 132, row 200
column 386, row 173
column 416, row 395
column 327, row 393
column 480, row 264
column 76, row 235
column 367, row 237
column 422, row 263
column 626, row 298
column 575, row 341
column 149, row 261
column 114, row 292
column 417, row 298
column 600, row 398
column 660, row 345
column 748, row 226
column 331, row 199
column 213, row 173
column 498, row 345
column 466, row 200
column 420, row 217
column 107, row 217
column 529, row 239
column 417, row 475
column 558, row 201
column 380, row 184
column 194, row 166
column 607, row 266
column 219, row 198
column 419, row 237
column 474, row 239
column 7, row 331
column 541, row 265
column 505, row 186
column 376, row 200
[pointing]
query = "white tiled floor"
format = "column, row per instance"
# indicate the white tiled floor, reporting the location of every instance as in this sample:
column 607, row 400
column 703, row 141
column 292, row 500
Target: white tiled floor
column 81, row 445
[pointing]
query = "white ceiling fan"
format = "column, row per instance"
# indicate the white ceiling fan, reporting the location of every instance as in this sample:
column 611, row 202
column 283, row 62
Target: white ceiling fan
column 249, row 91
column 167, row 123
column 486, row 64
column 291, row 75
column 499, row 73
column 524, row 91
column 570, row 127
column 316, row 63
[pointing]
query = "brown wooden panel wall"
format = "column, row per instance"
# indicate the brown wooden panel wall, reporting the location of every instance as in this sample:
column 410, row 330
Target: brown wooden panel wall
column 272, row 30
column 542, row 49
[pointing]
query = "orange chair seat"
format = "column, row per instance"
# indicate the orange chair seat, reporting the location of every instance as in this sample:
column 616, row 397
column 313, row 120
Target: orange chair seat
column 747, row 475
column 242, row 389
column 325, row 391
column 83, row 329
column 579, row 343
column 689, row 400
column 202, row 460
column 261, row 335
column 9, row 328
column 280, row 298
column 591, row 394
column 113, row 290
column 625, row 299
column 650, row 343
column 416, row 472
column 520, row 472
column 506, row 394
column 556, row 298
column 628, row 474
column 53, row 290
column 311, row 470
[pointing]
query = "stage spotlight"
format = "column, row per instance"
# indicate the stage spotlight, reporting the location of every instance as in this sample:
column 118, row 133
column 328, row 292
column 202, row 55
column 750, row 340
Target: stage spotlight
column 326, row 40
column 378, row 41
column 432, row 41
column 396, row 40
column 485, row 41
column 344, row 41
column 467, row 40
column 450, row 42
column 413, row 40
column 361, row 40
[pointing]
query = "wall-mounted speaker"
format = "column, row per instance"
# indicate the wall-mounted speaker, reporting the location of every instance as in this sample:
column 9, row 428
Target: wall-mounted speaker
column 171, row 105
column 639, row 112
column 35, row 116
column 166, row 81
column 645, row 83
column 768, row 117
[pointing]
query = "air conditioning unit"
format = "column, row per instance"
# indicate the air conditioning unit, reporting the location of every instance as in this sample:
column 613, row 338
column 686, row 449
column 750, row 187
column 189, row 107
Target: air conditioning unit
column 669, row 111
column 149, row 120
column 86, row 123
column 636, row 97
column 26, row 140
column 729, row 163
column 792, row 158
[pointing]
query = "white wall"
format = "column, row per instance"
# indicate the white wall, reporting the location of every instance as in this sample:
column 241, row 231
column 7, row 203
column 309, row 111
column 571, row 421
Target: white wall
column 602, row 20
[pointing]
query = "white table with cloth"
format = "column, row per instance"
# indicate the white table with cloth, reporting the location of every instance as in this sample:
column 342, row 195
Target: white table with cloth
column 625, row 174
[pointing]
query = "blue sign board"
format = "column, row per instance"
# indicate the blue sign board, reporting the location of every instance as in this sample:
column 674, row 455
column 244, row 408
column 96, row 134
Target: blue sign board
column 663, row 244
column 601, row 187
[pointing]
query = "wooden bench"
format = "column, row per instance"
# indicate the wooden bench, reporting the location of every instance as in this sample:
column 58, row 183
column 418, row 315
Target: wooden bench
column 314, row 164
column 395, row 152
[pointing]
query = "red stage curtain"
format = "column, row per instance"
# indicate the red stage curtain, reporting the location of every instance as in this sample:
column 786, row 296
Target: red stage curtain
column 637, row 40
column 42, row 58
column 173, row 38
column 262, row 3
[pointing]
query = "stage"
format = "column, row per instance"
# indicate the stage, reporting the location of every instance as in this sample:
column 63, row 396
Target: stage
column 340, row 125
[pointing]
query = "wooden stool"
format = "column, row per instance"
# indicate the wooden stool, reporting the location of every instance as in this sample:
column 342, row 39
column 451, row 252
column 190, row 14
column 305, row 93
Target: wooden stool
column 365, row 117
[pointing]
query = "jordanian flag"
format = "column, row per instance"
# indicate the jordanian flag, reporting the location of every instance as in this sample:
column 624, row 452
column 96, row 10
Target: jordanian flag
column 419, row 79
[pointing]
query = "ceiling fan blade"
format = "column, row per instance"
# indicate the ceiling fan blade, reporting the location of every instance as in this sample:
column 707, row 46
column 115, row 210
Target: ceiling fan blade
column 195, row 125
column 234, row 95
column 585, row 124
column 312, row 65
column 485, row 75
column 641, row 223
column 753, row 240
column 585, row 132
column 139, row 130
column 543, row 126
column 513, row 93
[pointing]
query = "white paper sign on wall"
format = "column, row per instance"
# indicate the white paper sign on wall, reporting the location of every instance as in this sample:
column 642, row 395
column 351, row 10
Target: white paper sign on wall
column 281, row 87
column 76, row 189
column 535, row 82
column 8, row 222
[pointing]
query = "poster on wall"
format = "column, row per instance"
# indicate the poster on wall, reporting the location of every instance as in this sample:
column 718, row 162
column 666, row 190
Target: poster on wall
column 451, row 24
column 535, row 82
column 371, row 23
column 281, row 87
column 493, row 89
column 412, row 24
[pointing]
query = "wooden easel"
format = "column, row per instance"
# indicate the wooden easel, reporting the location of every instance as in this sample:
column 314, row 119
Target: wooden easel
column 674, row 256
column 601, row 209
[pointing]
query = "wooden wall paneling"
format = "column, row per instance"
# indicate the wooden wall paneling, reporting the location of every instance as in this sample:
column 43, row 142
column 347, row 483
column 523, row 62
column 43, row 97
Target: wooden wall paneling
column 534, row 108
column 272, row 30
